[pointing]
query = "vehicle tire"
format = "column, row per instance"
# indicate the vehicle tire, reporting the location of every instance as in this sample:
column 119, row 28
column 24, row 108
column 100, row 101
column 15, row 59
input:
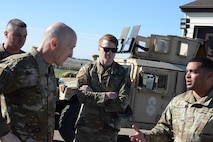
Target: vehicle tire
column 60, row 105
column 68, row 118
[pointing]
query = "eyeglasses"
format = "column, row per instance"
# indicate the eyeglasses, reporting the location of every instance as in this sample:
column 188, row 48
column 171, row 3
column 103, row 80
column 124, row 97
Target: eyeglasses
column 107, row 49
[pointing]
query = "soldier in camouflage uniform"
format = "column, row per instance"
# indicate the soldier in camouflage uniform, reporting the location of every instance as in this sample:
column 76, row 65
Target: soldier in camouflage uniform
column 104, row 92
column 189, row 116
column 15, row 34
column 29, row 85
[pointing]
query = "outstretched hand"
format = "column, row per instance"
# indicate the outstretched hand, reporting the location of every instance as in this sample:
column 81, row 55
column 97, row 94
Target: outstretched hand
column 138, row 136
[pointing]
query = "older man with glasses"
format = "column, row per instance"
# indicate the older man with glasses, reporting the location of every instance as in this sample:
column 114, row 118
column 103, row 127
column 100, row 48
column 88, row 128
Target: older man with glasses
column 104, row 94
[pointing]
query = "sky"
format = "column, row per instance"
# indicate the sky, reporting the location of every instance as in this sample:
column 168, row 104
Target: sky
column 91, row 19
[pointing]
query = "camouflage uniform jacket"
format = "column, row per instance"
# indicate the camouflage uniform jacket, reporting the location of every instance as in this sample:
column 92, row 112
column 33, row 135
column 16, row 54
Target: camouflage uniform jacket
column 185, row 119
column 96, row 112
column 4, row 53
column 29, row 86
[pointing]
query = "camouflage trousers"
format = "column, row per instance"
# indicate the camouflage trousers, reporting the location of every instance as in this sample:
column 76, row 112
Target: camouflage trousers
column 105, row 135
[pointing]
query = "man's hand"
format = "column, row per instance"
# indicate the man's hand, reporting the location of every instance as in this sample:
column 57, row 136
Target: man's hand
column 85, row 88
column 138, row 136
column 111, row 96
column 10, row 137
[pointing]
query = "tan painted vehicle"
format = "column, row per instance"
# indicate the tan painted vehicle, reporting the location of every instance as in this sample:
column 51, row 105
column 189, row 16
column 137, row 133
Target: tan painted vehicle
column 156, row 67
column 67, row 108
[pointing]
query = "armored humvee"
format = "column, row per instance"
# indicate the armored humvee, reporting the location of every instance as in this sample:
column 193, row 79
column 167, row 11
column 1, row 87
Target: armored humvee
column 157, row 68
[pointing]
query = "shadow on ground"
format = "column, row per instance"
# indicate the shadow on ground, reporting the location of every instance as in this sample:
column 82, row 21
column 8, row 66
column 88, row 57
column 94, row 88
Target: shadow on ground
column 121, row 138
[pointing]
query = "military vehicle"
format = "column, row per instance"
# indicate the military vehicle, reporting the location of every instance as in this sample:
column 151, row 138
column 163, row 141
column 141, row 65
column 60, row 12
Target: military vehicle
column 156, row 66
column 67, row 108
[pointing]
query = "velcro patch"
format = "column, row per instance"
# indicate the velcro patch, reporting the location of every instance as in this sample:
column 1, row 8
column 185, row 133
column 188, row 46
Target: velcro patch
column 81, row 73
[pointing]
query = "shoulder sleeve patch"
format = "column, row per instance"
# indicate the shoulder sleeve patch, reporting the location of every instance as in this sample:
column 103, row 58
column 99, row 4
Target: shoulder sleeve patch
column 80, row 73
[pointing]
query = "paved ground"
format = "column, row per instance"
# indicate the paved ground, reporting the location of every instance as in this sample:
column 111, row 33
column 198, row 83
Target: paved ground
column 123, row 135
column 57, row 137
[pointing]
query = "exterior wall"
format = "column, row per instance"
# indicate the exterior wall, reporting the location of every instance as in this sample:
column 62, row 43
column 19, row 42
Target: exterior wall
column 198, row 19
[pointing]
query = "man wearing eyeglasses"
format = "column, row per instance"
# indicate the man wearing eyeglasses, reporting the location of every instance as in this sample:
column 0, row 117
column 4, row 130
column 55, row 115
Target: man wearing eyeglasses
column 104, row 94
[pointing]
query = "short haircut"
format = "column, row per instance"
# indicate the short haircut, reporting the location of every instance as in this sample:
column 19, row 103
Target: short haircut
column 206, row 63
column 17, row 22
column 110, row 38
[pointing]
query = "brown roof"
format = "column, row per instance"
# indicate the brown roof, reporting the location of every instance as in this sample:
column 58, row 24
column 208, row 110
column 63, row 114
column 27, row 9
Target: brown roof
column 198, row 6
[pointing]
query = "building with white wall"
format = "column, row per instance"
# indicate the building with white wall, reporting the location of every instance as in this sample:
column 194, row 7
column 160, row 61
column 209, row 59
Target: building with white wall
column 200, row 15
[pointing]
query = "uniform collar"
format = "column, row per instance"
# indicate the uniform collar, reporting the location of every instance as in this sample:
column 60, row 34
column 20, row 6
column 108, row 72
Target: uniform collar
column 206, row 101
column 43, row 66
column 101, row 69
